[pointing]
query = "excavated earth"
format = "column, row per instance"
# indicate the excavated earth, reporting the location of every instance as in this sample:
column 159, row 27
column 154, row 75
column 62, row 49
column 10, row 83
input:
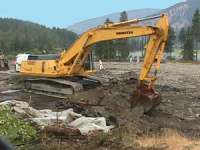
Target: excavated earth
column 176, row 118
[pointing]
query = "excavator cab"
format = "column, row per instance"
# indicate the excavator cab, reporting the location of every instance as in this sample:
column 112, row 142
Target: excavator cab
column 89, row 63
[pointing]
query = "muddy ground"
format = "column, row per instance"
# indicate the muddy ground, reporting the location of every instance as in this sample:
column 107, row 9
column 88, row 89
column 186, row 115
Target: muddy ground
column 174, row 124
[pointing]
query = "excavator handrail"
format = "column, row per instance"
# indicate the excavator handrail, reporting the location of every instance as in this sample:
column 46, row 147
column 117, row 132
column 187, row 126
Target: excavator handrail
column 137, row 20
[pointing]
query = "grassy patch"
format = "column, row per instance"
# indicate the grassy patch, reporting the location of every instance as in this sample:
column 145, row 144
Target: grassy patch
column 170, row 140
column 14, row 128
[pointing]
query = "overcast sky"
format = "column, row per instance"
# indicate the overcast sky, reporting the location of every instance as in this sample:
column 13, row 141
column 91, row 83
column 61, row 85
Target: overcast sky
column 61, row 13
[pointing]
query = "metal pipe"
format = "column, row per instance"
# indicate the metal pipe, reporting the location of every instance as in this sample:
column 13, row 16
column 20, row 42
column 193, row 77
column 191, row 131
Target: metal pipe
column 150, row 18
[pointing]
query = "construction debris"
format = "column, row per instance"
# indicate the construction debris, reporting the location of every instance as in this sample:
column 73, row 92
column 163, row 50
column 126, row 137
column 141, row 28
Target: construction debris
column 9, row 91
column 67, row 118
column 60, row 131
column 3, row 62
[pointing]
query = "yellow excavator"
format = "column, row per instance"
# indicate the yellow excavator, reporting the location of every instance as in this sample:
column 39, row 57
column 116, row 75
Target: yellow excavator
column 67, row 74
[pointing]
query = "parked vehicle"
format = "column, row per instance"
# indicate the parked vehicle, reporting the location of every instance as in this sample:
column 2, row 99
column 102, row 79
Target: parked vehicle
column 19, row 59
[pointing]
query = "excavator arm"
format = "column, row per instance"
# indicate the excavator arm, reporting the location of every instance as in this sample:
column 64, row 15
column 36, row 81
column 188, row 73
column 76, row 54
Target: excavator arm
column 77, row 53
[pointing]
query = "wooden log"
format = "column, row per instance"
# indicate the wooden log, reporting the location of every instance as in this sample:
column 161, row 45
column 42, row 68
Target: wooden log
column 61, row 131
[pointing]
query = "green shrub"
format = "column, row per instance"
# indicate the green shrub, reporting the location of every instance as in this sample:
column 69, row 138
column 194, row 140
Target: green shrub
column 14, row 128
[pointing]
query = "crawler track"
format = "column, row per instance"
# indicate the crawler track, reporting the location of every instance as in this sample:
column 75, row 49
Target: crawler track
column 59, row 87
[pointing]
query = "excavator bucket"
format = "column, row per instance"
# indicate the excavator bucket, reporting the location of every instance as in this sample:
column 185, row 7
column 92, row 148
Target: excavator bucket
column 145, row 98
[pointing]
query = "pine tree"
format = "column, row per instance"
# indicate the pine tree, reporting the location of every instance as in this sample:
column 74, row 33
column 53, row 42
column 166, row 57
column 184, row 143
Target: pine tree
column 105, row 49
column 123, row 46
column 182, row 36
column 108, row 21
column 196, row 30
column 123, row 16
column 171, row 41
column 188, row 51
column 196, row 25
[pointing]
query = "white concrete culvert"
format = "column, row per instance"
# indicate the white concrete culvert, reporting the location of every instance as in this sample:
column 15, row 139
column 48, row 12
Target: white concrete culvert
column 67, row 118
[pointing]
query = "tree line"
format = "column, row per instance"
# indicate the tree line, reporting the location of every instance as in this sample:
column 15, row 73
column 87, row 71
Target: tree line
column 21, row 36
column 113, row 49
column 120, row 49
column 190, row 38
column 18, row 36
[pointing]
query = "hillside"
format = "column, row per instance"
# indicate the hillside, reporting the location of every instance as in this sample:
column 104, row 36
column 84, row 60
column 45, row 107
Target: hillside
column 18, row 36
column 82, row 26
column 180, row 16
